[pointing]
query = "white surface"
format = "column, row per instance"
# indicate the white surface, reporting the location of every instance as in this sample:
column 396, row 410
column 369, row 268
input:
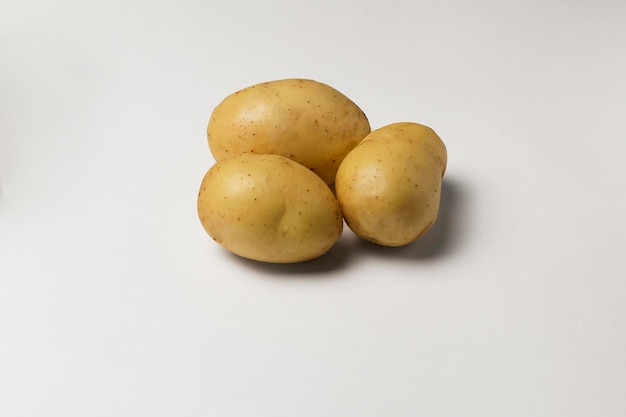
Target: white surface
column 114, row 302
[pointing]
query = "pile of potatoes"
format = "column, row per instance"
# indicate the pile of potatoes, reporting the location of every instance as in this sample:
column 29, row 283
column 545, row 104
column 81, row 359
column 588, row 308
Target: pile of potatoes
column 295, row 158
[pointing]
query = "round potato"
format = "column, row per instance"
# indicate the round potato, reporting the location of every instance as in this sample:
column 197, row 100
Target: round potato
column 269, row 208
column 303, row 120
column 389, row 186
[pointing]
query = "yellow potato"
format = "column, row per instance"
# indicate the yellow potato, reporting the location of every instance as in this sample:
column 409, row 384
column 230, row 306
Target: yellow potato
column 269, row 208
column 303, row 120
column 389, row 186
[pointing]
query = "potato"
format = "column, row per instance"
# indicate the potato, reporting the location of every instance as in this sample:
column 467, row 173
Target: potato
column 303, row 120
column 389, row 186
column 268, row 208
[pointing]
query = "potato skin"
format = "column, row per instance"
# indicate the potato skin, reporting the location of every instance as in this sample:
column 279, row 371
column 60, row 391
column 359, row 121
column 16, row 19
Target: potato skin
column 389, row 186
column 268, row 208
column 303, row 120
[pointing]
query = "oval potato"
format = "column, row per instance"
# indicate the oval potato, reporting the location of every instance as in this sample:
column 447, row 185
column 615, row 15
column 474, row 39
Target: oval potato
column 389, row 186
column 269, row 208
column 303, row 120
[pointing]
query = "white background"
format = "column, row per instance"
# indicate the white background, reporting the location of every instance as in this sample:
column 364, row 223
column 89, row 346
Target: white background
column 114, row 301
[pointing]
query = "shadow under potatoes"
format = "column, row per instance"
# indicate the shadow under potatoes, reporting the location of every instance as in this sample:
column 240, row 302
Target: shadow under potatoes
column 443, row 239
column 335, row 259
